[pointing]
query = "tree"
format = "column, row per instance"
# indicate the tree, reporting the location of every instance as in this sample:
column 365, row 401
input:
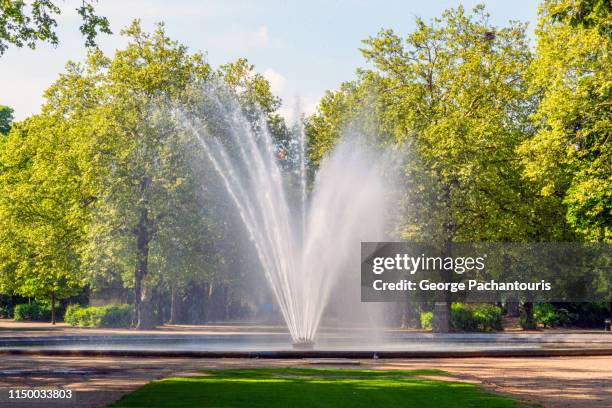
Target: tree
column 20, row 26
column 570, row 157
column 140, row 163
column 43, row 213
column 140, row 167
column 6, row 119
column 454, row 91
column 582, row 13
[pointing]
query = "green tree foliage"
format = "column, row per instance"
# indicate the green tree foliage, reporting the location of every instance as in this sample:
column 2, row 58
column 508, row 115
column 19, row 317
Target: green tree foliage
column 454, row 91
column 6, row 119
column 583, row 13
column 570, row 158
column 43, row 210
column 26, row 23
column 124, row 201
column 105, row 187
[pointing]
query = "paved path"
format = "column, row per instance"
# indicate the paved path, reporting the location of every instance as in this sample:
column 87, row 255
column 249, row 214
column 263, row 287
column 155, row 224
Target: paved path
column 97, row 381
column 581, row 382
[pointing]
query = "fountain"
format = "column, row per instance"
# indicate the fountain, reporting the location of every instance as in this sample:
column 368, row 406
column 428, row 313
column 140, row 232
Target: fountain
column 303, row 244
column 303, row 344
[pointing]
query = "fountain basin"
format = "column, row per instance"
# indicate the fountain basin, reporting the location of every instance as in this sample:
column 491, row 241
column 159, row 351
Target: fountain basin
column 303, row 345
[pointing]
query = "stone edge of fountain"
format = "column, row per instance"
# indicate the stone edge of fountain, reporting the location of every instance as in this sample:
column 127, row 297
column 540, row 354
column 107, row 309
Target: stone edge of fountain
column 302, row 353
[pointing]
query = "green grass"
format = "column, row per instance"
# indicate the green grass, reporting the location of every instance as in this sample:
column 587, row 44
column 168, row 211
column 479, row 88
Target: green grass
column 296, row 388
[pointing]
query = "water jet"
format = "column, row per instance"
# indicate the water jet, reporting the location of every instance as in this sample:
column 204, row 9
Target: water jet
column 304, row 236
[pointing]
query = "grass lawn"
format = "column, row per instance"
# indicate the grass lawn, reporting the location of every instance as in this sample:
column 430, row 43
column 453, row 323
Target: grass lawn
column 295, row 388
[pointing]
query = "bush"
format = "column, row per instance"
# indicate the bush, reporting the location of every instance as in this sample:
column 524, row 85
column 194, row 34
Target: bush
column 475, row 317
column 35, row 311
column 549, row 316
column 6, row 312
column 70, row 316
column 526, row 323
column 590, row 314
column 426, row 320
column 99, row 316
column 469, row 317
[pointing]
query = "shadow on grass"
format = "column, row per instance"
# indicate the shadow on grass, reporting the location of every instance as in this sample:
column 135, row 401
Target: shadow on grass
column 296, row 388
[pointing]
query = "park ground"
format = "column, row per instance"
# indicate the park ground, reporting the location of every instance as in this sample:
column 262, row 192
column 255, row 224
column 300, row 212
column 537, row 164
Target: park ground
column 551, row 382
column 99, row 381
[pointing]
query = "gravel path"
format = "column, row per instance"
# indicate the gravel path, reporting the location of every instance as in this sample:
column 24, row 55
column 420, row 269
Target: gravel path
column 95, row 382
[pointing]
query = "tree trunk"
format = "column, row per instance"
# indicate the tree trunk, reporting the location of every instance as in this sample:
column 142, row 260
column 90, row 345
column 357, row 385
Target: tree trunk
column 512, row 307
column 226, row 303
column 410, row 318
column 137, row 294
column 441, row 322
column 208, row 302
column 142, row 294
column 512, row 304
column 52, row 307
column 529, row 322
column 174, row 305
column 442, row 310
column 146, row 318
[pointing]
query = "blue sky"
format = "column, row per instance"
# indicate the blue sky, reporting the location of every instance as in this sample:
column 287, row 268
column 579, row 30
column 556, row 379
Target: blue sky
column 302, row 47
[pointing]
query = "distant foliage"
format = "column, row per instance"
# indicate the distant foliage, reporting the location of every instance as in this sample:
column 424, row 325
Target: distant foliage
column 469, row 318
column 526, row 321
column 476, row 317
column 6, row 312
column 35, row 311
column 588, row 314
column 549, row 316
column 579, row 314
column 6, row 119
column 99, row 316
column 427, row 320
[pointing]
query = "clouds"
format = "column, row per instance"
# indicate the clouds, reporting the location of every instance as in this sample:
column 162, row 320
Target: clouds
column 24, row 95
column 295, row 106
column 242, row 39
column 277, row 81
column 300, row 50
column 294, row 103
column 163, row 10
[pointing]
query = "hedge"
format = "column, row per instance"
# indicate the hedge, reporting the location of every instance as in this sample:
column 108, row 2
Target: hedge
column 549, row 316
column 469, row 317
column 427, row 320
column 476, row 317
column 35, row 311
column 6, row 312
column 99, row 316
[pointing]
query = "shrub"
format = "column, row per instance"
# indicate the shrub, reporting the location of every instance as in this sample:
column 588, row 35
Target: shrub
column 116, row 316
column 35, row 311
column 476, row 317
column 527, row 323
column 426, row 320
column 99, row 316
column 70, row 316
column 469, row 317
column 6, row 312
column 587, row 314
column 549, row 316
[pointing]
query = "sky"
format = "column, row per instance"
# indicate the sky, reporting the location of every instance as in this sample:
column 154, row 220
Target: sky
column 302, row 47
